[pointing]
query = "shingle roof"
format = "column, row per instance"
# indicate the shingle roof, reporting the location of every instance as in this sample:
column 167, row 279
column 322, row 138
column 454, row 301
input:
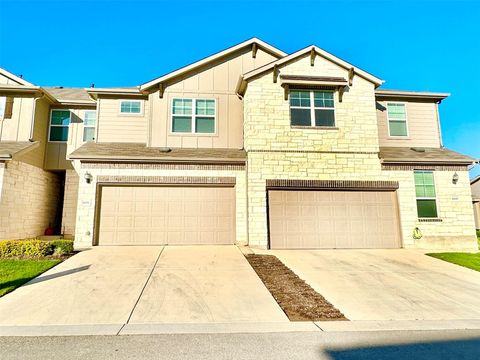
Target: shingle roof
column 69, row 94
column 10, row 148
column 140, row 152
column 422, row 155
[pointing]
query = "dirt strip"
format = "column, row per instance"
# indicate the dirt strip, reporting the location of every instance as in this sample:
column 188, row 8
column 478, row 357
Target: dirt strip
column 296, row 298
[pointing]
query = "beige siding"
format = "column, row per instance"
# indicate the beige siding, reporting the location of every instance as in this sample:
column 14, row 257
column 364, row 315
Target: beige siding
column 28, row 200
column 422, row 123
column 476, row 214
column 217, row 81
column 57, row 152
column 18, row 127
column 40, row 132
column 116, row 127
column 4, row 80
column 476, row 189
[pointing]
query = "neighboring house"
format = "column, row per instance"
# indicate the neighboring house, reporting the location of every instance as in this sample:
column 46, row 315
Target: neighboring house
column 254, row 146
column 475, row 184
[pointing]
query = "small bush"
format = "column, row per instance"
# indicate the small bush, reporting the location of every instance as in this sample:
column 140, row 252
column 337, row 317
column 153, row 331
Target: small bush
column 25, row 248
column 62, row 247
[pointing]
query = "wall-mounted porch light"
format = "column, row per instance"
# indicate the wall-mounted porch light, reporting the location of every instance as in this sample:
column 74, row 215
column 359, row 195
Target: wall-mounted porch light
column 88, row 177
column 455, row 178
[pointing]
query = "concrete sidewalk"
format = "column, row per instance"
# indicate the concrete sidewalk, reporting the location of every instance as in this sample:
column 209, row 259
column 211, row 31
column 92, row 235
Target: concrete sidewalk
column 238, row 327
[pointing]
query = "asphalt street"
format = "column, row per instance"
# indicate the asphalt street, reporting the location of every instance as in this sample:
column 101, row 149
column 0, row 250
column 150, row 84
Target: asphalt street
column 425, row 345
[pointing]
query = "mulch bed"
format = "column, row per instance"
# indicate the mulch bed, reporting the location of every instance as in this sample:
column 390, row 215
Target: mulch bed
column 296, row 298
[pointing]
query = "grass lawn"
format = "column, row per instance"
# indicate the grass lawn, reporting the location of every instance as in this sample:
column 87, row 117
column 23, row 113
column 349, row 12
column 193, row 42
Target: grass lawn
column 14, row 273
column 469, row 260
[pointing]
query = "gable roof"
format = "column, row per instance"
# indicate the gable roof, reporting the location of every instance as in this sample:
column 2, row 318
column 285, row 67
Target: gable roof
column 286, row 59
column 15, row 78
column 74, row 96
column 261, row 44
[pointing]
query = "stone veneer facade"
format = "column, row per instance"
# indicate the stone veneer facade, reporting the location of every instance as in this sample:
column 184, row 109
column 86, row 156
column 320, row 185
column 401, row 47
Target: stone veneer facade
column 28, row 200
column 276, row 150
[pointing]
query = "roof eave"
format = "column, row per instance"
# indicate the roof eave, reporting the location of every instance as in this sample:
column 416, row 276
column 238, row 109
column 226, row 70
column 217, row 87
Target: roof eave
column 191, row 67
column 426, row 162
column 411, row 94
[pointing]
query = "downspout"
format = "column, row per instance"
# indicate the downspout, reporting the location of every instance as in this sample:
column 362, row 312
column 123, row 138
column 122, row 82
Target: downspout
column 438, row 125
column 32, row 124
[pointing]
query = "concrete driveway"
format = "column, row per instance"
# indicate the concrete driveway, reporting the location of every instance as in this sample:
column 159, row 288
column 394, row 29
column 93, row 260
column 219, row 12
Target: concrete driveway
column 138, row 285
column 388, row 284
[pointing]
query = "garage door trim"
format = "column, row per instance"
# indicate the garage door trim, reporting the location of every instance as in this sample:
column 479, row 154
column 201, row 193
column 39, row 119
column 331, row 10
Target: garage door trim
column 197, row 181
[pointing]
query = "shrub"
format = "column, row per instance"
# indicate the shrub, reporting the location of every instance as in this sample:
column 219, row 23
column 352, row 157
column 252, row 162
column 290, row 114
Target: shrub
column 25, row 248
column 62, row 247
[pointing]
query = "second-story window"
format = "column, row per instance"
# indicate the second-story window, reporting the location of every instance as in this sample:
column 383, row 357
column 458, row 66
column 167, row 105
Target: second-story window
column 133, row 107
column 59, row 122
column 195, row 116
column 89, row 122
column 312, row 108
column 397, row 119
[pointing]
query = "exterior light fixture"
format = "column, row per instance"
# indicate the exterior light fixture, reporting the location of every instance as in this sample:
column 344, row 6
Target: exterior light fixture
column 455, row 178
column 88, row 177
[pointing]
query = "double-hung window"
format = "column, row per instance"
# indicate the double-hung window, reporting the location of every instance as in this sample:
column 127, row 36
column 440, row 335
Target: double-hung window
column 59, row 123
column 312, row 108
column 425, row 192
column 89, row 122
column 195, row 116
column 133, row 107
column 397, row 119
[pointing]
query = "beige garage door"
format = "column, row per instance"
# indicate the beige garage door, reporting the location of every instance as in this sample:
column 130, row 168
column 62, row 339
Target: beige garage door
column 142, row 215
column 333, row 219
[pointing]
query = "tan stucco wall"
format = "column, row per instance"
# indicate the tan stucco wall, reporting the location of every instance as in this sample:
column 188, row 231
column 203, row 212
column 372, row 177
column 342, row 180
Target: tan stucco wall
column 87, row 194
column 28, row 200
column 70, row 198
column 422, row 124
column 476, row 211
column 276, row 151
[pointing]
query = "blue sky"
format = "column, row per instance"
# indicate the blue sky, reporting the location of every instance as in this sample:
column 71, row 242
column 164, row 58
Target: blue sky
column 424, row 46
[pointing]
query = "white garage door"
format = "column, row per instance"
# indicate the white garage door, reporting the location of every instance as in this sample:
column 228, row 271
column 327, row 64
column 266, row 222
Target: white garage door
column 333, row 219
column 146, row 215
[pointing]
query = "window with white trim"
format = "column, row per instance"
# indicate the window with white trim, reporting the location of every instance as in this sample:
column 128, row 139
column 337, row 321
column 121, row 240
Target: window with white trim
column 312, row 108
column 59, row 123
column 397, row 119
column 89, row 121
column 195, row 116
column 130, row 107
column 425, row 193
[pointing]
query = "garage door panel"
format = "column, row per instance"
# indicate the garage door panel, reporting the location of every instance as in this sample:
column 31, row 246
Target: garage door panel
column 140, row 215
column 333, row 219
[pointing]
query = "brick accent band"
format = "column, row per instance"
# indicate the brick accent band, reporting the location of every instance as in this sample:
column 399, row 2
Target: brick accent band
column 408, row 167
column 161, row 166
column 332, row 184
column 184, row 180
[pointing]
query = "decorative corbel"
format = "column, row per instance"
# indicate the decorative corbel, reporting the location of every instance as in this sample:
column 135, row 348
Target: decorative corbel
column 161, row 90
column 254, row 50
column 275, row 73
column 341, row 90
column 285, row 91
column 351, row 72
column 313, row 53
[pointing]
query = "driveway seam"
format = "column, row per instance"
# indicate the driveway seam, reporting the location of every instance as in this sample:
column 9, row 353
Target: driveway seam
column 143, row 289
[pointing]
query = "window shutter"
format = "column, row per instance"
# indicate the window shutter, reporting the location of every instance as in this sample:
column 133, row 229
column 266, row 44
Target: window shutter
column 8, row 108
